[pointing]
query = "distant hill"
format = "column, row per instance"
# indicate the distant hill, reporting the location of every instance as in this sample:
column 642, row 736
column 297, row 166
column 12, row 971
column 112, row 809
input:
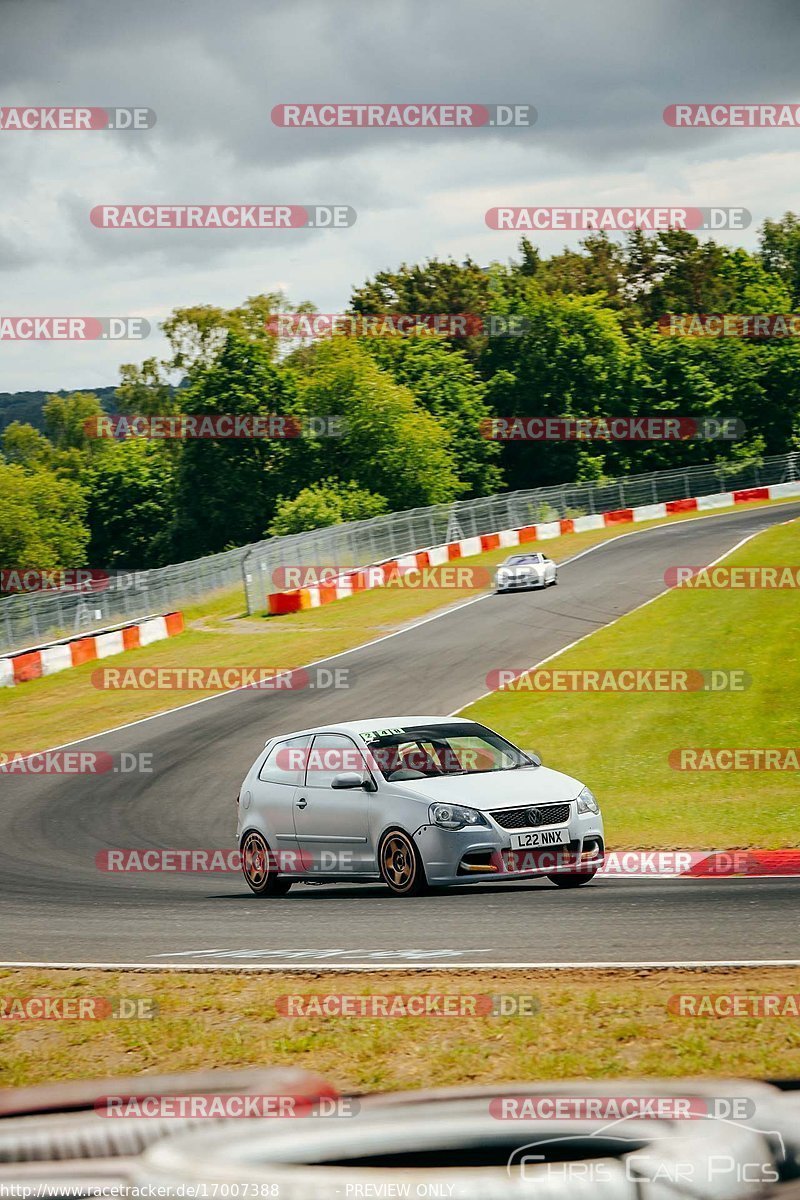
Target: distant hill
column 27, row 406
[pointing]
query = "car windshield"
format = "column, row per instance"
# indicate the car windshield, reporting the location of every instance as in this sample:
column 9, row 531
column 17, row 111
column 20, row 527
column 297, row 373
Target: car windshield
column 521, row 560
column 431, row 751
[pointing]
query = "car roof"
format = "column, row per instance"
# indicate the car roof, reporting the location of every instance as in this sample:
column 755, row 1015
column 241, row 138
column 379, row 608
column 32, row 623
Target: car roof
column 374, row 723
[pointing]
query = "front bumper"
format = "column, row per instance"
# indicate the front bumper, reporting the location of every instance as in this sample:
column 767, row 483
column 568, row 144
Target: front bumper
column 481, row 855
column 519, row 583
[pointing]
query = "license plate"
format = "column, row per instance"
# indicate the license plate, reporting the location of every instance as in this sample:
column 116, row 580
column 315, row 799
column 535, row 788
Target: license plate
column 546, row 837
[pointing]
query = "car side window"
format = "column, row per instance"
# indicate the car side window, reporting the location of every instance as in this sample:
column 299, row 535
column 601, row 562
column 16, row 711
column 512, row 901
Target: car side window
column 332, row 754
column 286, row 761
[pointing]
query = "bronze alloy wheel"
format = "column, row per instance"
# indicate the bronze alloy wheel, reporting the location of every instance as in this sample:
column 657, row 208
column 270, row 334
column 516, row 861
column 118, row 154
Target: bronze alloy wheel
column 256, row 867
column 401, row 867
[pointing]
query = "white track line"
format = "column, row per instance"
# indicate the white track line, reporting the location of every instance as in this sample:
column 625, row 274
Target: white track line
column 608, row 624
column 318, row 968
column 446, row 612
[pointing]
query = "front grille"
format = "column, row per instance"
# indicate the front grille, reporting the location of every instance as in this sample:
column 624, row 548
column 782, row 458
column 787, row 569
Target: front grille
column 531, row 816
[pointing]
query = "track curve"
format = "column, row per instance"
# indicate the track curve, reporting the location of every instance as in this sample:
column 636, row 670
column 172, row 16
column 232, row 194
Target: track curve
column 56, row 907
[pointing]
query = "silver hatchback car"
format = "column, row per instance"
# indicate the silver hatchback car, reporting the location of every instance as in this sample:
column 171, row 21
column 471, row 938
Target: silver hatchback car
column 415, row 802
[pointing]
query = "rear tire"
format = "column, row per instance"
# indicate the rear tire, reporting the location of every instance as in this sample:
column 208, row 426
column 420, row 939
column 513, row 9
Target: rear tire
column 261, row 879
column 401, row 866
column 572, row 879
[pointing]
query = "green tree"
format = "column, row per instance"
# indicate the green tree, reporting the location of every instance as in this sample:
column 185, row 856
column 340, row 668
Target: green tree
column 226, row 490
column 390, row 445
column 68, row 420
column 41, row 520
column 597, row 268
column 435, row 286
column 144, row 390
column 131, row 505
column 779, row 246
column 449, row 387
column 22, row 444
column 198, row 334
column 329, row 502
column 573, row 360
column 749, row 287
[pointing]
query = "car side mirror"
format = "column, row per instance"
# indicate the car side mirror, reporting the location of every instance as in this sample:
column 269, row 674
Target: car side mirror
column 352, row 779
column 536, row 760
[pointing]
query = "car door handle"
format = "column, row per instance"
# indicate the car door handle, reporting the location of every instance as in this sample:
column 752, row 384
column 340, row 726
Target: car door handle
column 302, row 802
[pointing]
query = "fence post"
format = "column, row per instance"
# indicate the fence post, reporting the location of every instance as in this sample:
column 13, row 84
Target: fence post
column 244, row 581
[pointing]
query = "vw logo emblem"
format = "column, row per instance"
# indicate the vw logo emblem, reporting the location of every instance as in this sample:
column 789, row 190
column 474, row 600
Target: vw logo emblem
column 534, row 815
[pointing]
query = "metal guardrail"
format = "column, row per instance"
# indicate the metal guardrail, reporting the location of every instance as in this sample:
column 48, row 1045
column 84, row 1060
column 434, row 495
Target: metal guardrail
column 38, row 617
column 361, row 542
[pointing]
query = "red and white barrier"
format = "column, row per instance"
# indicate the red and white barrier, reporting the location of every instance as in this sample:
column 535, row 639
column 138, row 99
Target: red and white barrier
column 47, row 660
column 699, row 864
column 591, row 521
column 358, row 580
column 649, row 512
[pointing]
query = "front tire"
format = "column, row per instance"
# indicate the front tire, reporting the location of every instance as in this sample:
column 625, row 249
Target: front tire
column 256, row 867
column 572, row 879
column 401, row 866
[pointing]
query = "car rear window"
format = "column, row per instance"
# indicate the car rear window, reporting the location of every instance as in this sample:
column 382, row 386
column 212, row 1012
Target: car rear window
column 285, row 762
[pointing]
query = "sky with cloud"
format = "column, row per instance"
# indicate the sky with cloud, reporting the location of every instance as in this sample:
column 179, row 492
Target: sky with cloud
column 598, row 73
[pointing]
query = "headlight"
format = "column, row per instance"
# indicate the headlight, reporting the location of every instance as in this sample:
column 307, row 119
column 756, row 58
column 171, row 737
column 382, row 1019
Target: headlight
column 587, row 802
column 453, row 816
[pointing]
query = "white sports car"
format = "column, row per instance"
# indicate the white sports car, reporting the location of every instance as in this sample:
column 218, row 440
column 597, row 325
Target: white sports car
column 414, row 802
column 520, row 571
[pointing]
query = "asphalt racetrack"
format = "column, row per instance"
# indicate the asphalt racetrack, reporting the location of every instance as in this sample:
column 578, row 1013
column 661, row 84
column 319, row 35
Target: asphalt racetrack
column 57, row 907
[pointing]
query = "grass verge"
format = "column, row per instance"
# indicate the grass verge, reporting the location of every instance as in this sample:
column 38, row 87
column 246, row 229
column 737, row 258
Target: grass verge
column 66, row 707
column 590, row 1025
column 620, row 743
